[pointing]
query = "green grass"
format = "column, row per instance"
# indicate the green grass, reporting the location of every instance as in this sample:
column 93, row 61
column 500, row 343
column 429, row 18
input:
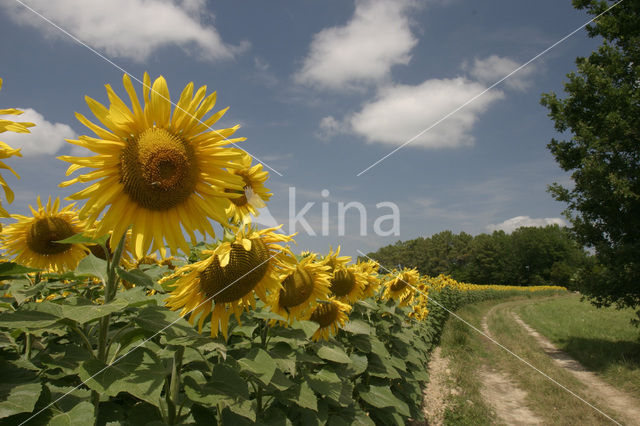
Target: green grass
column 460, row 344
column 601, row 339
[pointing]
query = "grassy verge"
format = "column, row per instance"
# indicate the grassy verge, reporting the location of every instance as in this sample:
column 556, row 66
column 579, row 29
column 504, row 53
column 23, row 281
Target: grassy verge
column 468, row 351
column 602, row 340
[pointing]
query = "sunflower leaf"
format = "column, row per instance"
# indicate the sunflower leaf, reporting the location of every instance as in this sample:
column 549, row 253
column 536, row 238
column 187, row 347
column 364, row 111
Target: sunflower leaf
column 259, row 364
column 357, row 327
column 81, row 414
column 8, row 269
column 137, row 373
column 19, row 389
column 83, row 239
column 382, row 397
column 331, row 352
column 92, row 266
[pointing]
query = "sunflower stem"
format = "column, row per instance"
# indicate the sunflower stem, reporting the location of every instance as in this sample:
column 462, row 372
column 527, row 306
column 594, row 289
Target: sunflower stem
column 27, row 345
column 110, row 287
column 264, row 334
column 174, row 386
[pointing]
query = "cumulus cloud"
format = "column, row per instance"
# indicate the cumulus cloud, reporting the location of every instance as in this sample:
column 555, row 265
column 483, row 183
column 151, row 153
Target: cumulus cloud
column 377, row 37
column 403, row 112
column 493, row 68
column 144, row 26
column 46, row 138
column 514, row 223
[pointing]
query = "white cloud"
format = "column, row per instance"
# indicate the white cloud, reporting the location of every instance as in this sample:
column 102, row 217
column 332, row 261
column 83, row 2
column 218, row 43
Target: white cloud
column 400, row 112
column 514, row 223
column 329, row 127
column 494, row 68
column 45, row 138
column 362, row 51
column 128, row 28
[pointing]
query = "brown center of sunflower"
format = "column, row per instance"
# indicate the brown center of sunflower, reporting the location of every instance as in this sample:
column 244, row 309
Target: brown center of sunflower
column 325, row 314
column 400, row 284
column 343, row 282
column 241, row 275
column 159, row 170
column 297, row 288
column 45, row 231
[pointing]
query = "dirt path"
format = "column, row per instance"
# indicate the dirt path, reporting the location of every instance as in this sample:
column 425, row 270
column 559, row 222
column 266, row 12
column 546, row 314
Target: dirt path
column 436, row 392
column 627, row 407
column 503, row 394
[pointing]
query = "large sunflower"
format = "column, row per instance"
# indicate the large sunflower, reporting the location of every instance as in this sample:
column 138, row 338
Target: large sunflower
column 156, row 170
column 329, row 315
column 301, row 289
column 32, row 240
column 225, row 282
column 253, row 196
column 6, row 151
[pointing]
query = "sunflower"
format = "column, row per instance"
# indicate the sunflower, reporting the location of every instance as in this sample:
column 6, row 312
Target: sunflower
column 335, row 261
column 32, row 239
column 402, row 286
column 329, row 315
column 348, row 283
column 301, row 289
column 157, row 171
column 6, row 151
column 225, row 282
column 253, row 196
column 370, row 270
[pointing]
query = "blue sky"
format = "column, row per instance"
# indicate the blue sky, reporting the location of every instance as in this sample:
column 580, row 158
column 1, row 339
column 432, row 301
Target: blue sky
column 322, row 89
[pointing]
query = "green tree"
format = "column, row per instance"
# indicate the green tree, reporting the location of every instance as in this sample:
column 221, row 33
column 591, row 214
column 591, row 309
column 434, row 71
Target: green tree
column 602, row 114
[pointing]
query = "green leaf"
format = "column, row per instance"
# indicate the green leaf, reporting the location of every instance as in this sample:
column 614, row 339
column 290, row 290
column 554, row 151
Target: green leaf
column 225, row 384
column 158, row 319
column 8, row 269
column 138, row 373
column 80, row 415
column 22, row 289
column 139, row 278
column 260, row 364
column 309, row 327
column 358, row 327
column 136, row 296
column 358, row 365
column 245, row 409
column 6, row 340
column 93, row 266
column 326, row 383
column 362, row 342
column 382, row 397
column 306, row 398
column 27, row 319
column 80, row 309
column 83, row 239
column 19, row 389
column 332, row 352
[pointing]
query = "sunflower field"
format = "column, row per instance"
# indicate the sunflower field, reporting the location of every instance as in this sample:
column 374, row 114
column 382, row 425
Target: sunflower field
column 112, row 311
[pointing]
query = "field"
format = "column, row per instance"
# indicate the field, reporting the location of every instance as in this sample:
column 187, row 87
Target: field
column 602, row 340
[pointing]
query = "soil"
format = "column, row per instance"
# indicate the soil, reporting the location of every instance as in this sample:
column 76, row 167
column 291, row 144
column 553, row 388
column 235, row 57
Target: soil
column 437, row 390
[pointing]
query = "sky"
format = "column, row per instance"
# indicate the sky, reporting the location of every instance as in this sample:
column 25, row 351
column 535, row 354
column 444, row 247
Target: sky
column 387, row 109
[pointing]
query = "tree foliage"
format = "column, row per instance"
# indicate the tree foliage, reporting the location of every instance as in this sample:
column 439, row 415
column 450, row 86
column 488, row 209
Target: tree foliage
column 601, row 119
column 528, row 256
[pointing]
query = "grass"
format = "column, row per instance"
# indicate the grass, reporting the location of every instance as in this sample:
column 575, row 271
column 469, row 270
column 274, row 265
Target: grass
column 601, row 339
column 468, row 351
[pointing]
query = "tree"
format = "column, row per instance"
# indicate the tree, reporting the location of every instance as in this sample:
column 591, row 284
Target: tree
column 602, row 114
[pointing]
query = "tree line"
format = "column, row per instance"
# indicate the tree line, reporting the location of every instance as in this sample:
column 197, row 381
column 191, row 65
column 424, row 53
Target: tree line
column 528, row 256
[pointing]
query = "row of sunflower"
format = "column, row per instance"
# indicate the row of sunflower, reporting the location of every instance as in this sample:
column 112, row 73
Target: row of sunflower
column 85, row 332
